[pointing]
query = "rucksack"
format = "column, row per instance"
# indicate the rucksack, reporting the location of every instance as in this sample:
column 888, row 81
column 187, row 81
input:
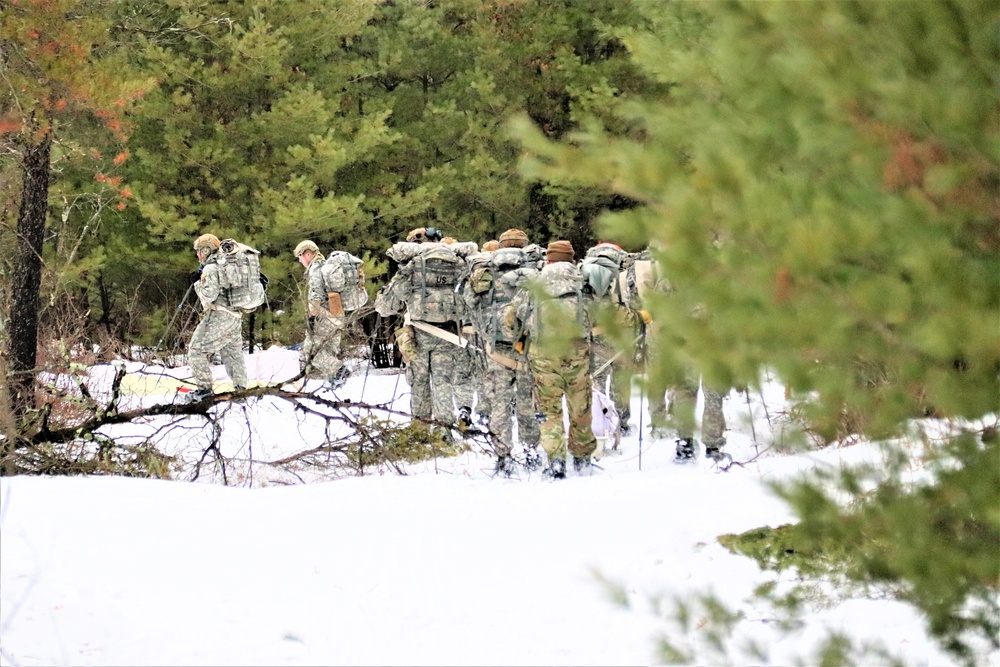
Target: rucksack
column 601, row 267
column 243, row 288
column 434, row 273
column 498, row 293
column 638, row 279
column 559, row 311
column 344, row 274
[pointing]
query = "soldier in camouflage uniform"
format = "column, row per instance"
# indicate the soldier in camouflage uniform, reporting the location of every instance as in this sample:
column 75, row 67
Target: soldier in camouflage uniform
column 220, row 329
column 507, row 379
column 612, row 373
column 555, row 322
column 320, row 353
column 463, row 375
column 683, row 398
column 430, row 360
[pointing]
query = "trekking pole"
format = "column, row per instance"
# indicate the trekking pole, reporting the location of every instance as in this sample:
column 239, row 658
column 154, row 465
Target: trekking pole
column 753, row 431
column 177, row 312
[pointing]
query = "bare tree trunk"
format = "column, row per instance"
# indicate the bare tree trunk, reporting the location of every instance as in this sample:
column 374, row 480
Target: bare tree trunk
column 27, row 276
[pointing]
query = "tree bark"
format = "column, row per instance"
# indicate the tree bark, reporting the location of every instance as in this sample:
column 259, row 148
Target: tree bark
column 27, row 274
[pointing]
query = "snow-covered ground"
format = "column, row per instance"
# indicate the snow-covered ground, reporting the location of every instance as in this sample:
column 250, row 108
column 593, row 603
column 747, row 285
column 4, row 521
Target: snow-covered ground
column 443, row 566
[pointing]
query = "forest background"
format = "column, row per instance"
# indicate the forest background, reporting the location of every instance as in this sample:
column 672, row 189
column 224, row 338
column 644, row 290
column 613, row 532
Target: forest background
column 821, row 182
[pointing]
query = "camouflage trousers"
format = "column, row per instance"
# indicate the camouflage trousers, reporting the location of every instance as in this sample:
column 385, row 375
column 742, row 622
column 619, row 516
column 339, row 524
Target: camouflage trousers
column 681, row 413
column 320, row 353
column 567, row 374
column 431, row 373
column 219, row 331
column 482, row 367
column 620, row 372
column 463, row 376
column 512, row 394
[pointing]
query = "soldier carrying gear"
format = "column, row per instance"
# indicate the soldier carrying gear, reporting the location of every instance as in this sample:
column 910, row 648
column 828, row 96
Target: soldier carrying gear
column 334, row 286
column 220, row 329
column 505, row 377
column 556, row 322
column 431, row 339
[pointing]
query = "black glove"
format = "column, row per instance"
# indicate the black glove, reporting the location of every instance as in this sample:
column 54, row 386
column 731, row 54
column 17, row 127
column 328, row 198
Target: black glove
column 264, row 280
column 312, row 321
column 194, row 276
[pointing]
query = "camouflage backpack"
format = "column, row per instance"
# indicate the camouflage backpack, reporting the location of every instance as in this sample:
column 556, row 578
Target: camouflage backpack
column 434, row 274
column 344, row 274
column 559, row 310
column 243, row 287
column 494, row 293
column 601, row 268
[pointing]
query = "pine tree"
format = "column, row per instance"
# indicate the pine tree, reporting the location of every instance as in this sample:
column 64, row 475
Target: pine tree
column 821, row 180
column 820, row 185
column 64, row 101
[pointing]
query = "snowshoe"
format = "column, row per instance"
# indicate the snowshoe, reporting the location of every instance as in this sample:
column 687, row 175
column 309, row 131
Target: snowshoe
column 582, row 466
column 556, row 469
column 197, row 395
column 716, row 455
column 686, row 451
column 504, row 466
column 532, row 459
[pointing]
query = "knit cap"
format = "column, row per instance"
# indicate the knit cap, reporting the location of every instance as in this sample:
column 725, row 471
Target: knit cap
column 559, row 251
column 513, row 238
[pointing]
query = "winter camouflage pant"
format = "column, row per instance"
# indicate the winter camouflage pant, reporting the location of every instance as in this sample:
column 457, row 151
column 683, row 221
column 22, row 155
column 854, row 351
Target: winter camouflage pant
column 568, row 374
column 320, row 353
column 620, row 371
column 481, row 369
column 681, row 413
column 219, row 331
column 462, row 377
column 511, row 392
column 430, row 374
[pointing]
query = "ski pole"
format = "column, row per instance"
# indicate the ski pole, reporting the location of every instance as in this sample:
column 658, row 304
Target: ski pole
column 642, row 389
column 174, row 318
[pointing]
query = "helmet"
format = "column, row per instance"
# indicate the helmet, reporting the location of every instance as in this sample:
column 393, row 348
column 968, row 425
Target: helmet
column 423, row 234
column 449, row 240
column 491, row 245
column 207, row 242
column 513, row 238
column 303, row 247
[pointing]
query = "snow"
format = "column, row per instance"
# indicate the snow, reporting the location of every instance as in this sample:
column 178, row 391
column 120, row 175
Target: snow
column 443, row 566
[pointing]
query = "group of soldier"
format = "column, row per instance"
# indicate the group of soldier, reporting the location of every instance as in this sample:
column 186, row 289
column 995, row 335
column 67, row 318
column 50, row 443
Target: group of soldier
column 494, row 339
